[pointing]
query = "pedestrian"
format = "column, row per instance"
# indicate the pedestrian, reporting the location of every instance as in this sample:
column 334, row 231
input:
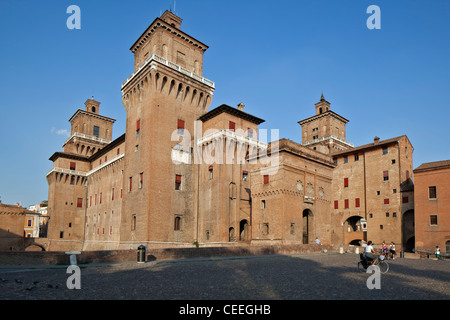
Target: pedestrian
column 384, row 250
column 437, row 252
column 392, row 250
column 317, row 240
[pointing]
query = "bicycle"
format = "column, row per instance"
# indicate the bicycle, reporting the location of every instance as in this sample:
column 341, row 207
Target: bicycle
column 363, row 264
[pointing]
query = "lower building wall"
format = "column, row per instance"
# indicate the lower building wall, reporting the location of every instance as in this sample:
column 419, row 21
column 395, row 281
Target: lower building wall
column 156, row 254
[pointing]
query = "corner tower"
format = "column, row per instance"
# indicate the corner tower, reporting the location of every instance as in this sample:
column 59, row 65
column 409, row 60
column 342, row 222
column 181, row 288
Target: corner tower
column 325, row 132
column 164, row 95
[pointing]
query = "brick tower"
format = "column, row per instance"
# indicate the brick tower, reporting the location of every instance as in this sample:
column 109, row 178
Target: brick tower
column 325, row 132
column 90, row 132
column 163, row 97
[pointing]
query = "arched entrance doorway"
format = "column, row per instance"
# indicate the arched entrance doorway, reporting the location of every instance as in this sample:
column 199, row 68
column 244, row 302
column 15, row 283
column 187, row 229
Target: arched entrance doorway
column 243, row 230
column 353, row 230
column 408, row 239
column 307, row 225
column 231, row 236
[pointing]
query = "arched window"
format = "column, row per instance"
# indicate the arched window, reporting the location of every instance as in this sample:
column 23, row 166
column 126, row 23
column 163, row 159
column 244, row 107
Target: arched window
column 177, row 224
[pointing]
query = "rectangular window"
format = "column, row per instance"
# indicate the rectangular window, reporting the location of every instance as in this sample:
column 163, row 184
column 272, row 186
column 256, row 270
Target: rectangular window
column 386, row 201
column 30, row 222
column 385, row 175
column 250, row 133
column 101, row 195
column 138, row 126
column 141, row 180
column 131, row 184
column 335, row 160
column 211, row 172
column 346, row 204
column 356, row 157
column 345, row 182
column 80, row 203
column 431, row 192
column 118, row 151
column 336, row 204
column 433, row 220
column 357, row 204
column 232, row 126
column 133, row 222
column 266, row 179
column 385, row 150
column 244, row 175
column 345, row 159
column 263, row 204
column 96, row 131
column 180, row 127
column 73, row 166
column 177, row 182
column 112, row 194
column 405, row 199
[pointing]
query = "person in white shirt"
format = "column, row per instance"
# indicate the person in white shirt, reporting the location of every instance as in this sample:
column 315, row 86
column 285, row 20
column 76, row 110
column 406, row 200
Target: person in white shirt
column 392, row 250
column 369, row 253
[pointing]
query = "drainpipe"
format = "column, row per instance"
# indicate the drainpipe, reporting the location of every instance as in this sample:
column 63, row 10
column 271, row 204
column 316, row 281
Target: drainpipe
column 85, row 214
column 365, row 196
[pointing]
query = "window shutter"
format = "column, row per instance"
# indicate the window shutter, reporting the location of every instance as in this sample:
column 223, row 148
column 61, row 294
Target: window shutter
column 180, row 124
column 345, row 182
column 336, row 204
column 357, row 204
column 266, row 179
column 138, row 125
column 178, row 178
column 232, row 126
column 346, row 204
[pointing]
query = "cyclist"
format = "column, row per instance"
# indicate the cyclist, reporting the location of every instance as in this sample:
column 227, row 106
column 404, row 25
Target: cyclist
column 369, row 253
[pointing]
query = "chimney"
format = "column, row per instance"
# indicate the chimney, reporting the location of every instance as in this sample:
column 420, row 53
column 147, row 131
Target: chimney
column 376, row 140
column 241, row 106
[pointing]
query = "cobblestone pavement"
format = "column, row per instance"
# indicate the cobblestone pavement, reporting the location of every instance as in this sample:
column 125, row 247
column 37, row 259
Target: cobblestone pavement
column 279, row 277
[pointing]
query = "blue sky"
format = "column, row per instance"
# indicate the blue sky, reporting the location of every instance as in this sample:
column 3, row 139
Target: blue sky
column 275, row 56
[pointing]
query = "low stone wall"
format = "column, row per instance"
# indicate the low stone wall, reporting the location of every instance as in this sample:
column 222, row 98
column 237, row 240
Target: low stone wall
column 117, row 256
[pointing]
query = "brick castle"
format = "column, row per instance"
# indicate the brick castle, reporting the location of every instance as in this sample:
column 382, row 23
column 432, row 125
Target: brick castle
column 184, row 174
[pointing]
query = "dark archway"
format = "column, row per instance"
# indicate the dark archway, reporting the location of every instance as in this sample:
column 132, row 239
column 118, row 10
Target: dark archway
column 35, row 247
column 243, row 230
column 307, row 223
column 356, row 242
column 408, row 236
column 409, row 245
